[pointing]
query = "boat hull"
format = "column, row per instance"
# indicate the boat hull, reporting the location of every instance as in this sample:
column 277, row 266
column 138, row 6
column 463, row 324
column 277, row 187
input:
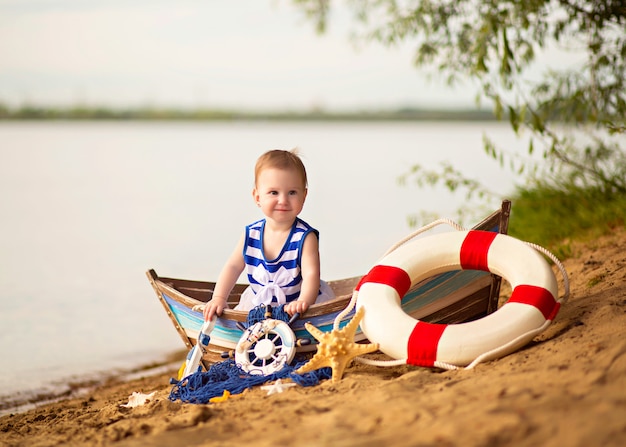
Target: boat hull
column 451, row 297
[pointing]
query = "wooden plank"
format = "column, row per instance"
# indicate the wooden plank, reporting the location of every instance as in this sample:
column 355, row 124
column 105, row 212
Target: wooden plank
column 496, row 283
column 154, row 281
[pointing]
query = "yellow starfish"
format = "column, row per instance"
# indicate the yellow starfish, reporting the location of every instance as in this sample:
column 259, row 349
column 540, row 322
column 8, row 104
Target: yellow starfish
column 336, row 348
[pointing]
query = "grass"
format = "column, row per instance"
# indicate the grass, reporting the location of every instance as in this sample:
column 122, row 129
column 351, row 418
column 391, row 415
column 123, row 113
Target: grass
column 552, row 217
column 596, row 280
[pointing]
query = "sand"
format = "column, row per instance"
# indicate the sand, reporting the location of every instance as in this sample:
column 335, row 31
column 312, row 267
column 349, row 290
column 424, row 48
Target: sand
column 566, row 388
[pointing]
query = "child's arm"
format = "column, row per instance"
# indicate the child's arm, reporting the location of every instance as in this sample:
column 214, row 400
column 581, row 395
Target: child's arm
column 310, row 270
column 225, row 282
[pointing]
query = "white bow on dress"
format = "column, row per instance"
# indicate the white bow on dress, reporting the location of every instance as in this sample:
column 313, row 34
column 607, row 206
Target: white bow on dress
column 270, row 287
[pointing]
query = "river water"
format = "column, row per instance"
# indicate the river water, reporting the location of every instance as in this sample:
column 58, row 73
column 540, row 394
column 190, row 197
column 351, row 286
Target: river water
column 87, row 207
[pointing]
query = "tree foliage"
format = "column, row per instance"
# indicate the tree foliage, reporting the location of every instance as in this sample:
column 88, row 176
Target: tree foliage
column 495, row 44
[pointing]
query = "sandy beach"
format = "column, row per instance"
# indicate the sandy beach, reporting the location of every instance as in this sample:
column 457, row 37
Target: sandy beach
column 566, row 388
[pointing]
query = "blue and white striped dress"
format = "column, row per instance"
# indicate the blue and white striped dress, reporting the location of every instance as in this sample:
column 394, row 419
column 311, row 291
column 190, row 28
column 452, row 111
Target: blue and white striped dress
column 276, row 281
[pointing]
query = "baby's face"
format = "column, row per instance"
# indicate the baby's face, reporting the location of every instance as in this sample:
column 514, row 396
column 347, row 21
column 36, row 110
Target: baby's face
column 280, row 193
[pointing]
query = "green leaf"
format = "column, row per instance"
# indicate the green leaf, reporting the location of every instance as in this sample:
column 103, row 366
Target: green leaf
column 513, row 119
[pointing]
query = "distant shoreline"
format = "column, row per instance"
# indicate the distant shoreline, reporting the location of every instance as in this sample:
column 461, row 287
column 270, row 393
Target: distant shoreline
column 77, row 113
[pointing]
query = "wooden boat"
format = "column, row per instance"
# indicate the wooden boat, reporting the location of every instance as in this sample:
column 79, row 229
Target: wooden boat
column 450, row 297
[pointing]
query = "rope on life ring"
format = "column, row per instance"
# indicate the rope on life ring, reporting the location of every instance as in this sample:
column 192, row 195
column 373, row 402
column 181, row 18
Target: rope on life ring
column 530, row 310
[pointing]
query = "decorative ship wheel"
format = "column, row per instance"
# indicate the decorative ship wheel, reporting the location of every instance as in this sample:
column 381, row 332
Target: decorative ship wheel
column 266, row 347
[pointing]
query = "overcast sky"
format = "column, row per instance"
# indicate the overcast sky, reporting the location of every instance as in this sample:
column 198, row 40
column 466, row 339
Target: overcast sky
column 253, row 54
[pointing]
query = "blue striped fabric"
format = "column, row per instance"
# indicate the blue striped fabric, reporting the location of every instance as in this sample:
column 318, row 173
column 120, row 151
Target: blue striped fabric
column 288, row 259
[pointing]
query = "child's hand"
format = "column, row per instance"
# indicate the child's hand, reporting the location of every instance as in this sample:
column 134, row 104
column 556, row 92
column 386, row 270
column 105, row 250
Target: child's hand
column 296, row 306
column 214, row 307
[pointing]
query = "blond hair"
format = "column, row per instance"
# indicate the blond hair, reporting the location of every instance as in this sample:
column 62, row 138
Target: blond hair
column 280, row 159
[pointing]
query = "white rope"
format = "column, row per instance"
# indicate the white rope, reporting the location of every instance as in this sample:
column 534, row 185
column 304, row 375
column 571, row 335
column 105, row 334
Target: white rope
column 494, row 352
column 460, row 228
column 198, row 307
column 486, row 355
column 559, row 266
column 444, row 365
column 425, row 228
column 380, row 362
column 490, row 354
column 346, row 311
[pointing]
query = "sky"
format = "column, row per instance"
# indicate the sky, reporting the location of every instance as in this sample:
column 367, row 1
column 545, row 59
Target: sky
column 243, row 54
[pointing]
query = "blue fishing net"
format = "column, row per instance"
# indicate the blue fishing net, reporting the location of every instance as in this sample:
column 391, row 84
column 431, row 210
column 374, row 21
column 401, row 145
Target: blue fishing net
column 199, row 387
column 259, row 313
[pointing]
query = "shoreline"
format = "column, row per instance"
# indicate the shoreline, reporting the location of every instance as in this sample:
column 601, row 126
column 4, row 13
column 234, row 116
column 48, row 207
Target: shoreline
column 76, row 387
column 42, row 112
column 566, row 387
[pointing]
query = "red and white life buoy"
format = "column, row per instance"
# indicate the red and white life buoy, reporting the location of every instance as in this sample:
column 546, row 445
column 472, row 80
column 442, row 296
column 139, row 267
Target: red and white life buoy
column 530, row 309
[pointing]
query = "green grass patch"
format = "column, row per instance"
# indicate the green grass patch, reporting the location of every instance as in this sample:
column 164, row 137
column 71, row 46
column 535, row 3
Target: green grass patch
column 551, row 217
column 596, row 280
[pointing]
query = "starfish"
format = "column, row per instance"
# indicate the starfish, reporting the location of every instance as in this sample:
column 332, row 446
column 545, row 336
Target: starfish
column 277, row 387
column 336, row 348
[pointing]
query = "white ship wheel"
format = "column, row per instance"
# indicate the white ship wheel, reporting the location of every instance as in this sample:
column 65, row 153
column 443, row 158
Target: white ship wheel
column 266, row 347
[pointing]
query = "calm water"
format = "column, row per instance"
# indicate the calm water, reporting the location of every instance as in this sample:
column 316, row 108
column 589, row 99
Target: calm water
column 87, row 208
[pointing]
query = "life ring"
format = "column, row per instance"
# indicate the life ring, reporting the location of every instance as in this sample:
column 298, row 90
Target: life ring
column 530, row 309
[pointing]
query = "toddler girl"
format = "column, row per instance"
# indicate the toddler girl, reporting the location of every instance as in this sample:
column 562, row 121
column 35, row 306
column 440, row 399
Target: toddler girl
column 279, row 253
